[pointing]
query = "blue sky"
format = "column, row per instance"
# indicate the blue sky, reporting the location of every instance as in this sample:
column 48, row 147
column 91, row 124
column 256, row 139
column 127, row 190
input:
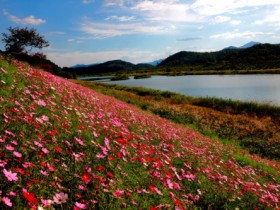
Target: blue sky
column 94, row 31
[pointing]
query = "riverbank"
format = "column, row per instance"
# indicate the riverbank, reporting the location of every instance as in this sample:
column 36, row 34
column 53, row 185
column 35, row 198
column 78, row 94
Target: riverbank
column 175, row 71
column 249, row 125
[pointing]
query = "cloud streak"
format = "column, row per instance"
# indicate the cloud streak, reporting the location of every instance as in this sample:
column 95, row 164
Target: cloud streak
column 104, row 30
column 233, row 35
column 121, row 18
column 189, row 39
column 30, row 20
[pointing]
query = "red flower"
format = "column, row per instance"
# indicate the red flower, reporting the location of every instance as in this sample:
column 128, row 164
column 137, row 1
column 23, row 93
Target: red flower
column 152, row 188
column 57, row 149
column 120, row 155
column 177, row 202
column 122, row 141
column 86, row 177
column 110, row 174
column 100, row 168
column 21, row 171
column 111, row 158
column 29, row 196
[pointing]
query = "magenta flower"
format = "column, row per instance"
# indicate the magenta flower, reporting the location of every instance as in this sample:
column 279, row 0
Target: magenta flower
column 45, row 118
column 80, row 205
column 7, row 201
column 41, row 102
column 47, row 203
column 45, row 173
column 118, row 193
column 45, row 150
column 10, row 176
column 17, row 154
column 60, row 198
column 10, row 148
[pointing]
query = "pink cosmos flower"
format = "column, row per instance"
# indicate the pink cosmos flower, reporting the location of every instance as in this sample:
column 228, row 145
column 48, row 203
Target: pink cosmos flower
column 47, row 203
column 60, row 198
column 107, row 143
column 3, row 70
column 17, row 154
column 80, row 205
column 80, row 141
column 14, row 142
column 99, row 156
column 12, row 193
column 45, row 173
column 39, row 120
column 41, row 102
column 10, row 133
column 7, row 201
column 45, row 118
column 118, row 193
column 169, row 183
column 190, row 177
column 10, row 176
column 45, row 150
column 104, row 149
column 10, row 148
column 81, row 187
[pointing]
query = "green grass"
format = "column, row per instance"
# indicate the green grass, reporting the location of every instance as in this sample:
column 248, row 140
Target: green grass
column 223, row 105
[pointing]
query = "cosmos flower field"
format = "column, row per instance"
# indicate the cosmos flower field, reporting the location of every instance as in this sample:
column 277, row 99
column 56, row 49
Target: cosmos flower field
column 63, row 146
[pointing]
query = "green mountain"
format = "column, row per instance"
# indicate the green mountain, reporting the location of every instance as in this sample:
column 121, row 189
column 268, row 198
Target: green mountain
column 260, row 56
column 107, row 67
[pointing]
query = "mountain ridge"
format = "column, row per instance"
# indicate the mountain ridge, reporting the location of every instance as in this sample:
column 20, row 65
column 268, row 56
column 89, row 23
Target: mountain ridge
column 259, row 56
column 247, row 45
column 252, row 55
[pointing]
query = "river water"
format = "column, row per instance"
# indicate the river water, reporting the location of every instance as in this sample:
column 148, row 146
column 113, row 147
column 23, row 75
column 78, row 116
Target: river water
column 263, row 88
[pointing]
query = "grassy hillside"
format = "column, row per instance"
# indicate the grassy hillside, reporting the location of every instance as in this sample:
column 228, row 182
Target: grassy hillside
column 64, row 146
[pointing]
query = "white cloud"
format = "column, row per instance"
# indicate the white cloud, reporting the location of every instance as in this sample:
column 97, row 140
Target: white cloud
column 272, row 17
column 189, row 39
column 210, row 7
column 235, row 22
column 73, row 58
column 221, row 19
column 163, row 10
column 116, row 2
column 105, row 30
column 87, row 1
column 31, row 20
column 234, row 35
column 121, row 18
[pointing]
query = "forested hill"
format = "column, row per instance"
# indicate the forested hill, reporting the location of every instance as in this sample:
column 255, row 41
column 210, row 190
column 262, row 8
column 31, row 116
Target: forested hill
column 107, row 67
column 261, row 56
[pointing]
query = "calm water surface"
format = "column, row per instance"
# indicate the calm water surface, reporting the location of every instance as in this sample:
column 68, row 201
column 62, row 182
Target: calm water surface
column 258, row 88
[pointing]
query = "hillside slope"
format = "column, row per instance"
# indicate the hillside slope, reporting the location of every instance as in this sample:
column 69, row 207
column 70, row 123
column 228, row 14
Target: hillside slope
column 261, row 56
column 66, row 146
